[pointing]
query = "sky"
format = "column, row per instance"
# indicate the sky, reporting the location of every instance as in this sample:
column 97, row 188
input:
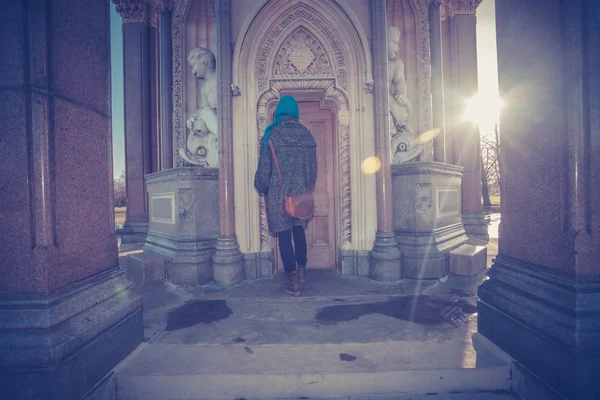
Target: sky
column 116, row 62
column 486, row 60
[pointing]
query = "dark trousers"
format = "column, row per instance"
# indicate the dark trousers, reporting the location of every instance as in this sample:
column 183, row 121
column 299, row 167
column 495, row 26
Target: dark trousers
column 288, row 255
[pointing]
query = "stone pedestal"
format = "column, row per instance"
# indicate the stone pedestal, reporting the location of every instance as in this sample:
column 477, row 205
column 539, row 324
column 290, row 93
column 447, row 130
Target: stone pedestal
column 184, row 222
column 427, row 217
column 67, row 311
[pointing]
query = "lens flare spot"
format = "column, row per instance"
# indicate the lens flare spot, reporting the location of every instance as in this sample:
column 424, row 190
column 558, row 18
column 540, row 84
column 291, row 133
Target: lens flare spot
column 428, row 136
column 371, row 165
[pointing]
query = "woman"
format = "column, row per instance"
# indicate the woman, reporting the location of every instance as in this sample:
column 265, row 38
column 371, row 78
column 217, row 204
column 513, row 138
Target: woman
column 296, row 152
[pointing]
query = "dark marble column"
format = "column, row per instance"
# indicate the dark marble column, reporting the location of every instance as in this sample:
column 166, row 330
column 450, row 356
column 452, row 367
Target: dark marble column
column 541, row 303
column 153, row 87
column 437, row 80
column 228, row 259
column 385, row 256
column 67, row 312
column 138, row 143
column 464, row 135
column 166, row 83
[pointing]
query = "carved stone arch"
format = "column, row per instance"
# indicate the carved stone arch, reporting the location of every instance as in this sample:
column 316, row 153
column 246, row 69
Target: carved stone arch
column 337, row 97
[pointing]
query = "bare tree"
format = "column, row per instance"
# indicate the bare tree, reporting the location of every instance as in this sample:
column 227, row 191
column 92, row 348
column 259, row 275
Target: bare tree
column 490, row 166
column 120, row 193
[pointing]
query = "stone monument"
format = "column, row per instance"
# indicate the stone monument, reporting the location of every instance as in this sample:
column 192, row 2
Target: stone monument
column 184, row 201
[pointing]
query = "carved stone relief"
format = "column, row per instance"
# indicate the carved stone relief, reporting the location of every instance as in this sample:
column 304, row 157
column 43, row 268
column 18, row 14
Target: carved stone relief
column 201, row 146
column 133, row 10
column 301, row 55
column 404, row 145
column 192, row 25
column 450, row 8
column 302, row 48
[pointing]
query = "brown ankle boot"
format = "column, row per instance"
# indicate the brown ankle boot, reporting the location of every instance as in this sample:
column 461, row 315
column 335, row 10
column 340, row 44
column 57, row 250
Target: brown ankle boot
column 292, row 287
column 302, row 274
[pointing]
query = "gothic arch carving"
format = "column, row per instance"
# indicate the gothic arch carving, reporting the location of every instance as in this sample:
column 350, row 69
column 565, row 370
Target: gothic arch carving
column 264, row 64
column 339, row 98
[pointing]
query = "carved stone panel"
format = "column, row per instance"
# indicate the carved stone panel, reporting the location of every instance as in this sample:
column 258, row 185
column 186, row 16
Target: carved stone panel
column 301, row 55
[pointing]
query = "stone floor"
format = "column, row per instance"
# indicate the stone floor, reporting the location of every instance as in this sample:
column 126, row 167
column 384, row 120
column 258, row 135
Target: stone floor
column 410, row 336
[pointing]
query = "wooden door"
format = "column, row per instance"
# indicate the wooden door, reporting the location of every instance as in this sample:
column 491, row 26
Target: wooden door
column 321, row 232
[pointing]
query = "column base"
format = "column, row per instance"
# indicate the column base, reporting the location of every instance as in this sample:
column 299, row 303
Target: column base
column 548, row 324
column 258, row 265
column 146, row 267
column 385, row 259
column 134, row 232
column 476, row 225
column 228, row 262
column 355, row 262
column 60, row 347
column 467, row 260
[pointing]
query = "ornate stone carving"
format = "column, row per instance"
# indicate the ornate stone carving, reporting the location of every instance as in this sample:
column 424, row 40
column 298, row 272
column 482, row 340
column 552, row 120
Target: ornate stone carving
column 368, row 87
column 166, row 5
column 404, row 144
column 235, row 90
column 301, row 55
column 202, row 142
column 206, row 11
column 284, row 65
column 133, row 10
column 450, row 8
column 331, row 93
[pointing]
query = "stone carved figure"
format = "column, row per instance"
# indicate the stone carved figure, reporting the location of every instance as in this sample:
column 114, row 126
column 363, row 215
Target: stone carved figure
column 202, row 142
column 404, row 145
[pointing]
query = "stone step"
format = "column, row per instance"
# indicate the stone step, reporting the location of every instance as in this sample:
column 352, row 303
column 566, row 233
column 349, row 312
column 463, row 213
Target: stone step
column 275, row 371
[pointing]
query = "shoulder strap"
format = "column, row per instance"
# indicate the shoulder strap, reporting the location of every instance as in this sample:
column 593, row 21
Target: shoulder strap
column 277, row 166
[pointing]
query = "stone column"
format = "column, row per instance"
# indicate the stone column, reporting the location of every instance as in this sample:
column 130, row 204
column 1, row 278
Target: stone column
column 67, row 312
column 138, row 161
column 465, row 138
column 437, row 80
column 228, row 259
column 385, row 256
column 541, row 303
column 166, row 83
column 153, row 86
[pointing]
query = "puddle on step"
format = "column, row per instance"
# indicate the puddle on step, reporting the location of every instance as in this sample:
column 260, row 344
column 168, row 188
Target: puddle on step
column 197, row 312
column 423, row 310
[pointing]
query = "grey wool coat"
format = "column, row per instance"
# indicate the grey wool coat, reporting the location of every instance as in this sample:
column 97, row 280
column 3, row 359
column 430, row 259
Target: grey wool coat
column 296, row 152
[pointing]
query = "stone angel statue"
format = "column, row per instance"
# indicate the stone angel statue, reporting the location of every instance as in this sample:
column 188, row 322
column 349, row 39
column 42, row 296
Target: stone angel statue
column 404, row 142
column 202, row 141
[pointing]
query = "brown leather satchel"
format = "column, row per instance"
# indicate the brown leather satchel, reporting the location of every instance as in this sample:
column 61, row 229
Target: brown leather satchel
column 301, row 205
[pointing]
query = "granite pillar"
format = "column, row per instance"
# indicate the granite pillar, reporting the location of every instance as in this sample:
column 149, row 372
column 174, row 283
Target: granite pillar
column 465, row 137
column 154, row 87
column 228, row 259
column 541, row 303
column 437, row 81
column 166, row 84
column 385, row 255
column 67, row 312
column 138, row 142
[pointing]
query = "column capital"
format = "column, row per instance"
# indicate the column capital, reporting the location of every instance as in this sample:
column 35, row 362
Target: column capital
column 166, row 5
column 450, row 8
column 145, row 11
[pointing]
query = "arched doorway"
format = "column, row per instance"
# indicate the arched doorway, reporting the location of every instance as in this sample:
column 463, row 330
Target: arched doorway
column 307, row 48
